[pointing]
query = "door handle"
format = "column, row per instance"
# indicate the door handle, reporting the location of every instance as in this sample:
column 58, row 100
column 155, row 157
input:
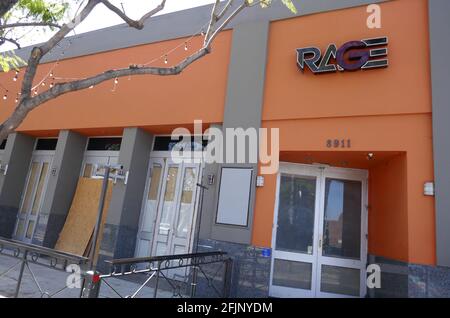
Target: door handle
column 320, row 242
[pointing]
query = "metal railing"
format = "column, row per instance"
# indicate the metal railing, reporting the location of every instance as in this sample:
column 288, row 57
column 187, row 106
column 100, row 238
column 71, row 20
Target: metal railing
column 158, row 269
column 27, row 254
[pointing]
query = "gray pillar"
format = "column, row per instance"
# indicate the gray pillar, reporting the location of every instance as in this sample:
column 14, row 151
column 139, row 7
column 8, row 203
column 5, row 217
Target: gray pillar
column 439, row 17
column 243, row 109
column 61, row 187
column 17, row 156
column 120, row 230
column 206, row 213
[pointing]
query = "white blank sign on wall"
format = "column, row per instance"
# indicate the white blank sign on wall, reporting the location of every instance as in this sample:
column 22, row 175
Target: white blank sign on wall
column 234, row 196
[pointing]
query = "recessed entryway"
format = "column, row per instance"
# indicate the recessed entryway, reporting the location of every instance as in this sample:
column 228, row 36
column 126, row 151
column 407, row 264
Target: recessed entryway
column 35, row 188
column 170, row 203
column 319, row 236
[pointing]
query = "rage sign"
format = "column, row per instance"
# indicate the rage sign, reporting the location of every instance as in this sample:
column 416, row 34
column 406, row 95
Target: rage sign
column 352, row 56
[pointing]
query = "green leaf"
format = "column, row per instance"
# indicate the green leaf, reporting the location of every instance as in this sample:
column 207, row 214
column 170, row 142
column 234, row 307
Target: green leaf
column 41, row 10
column 266, row 3
column 10, row 61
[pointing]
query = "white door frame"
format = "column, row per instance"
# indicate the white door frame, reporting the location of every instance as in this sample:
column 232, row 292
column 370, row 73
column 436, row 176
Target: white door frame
column 99, row 157
column 40, row 156
column 320, row 172
column 142, row 215
column 164, row 158
column 167, row 165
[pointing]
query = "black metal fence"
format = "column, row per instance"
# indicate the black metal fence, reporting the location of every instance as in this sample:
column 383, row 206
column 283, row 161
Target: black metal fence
column 177, row 275
column 24, row 254
column 186, row 275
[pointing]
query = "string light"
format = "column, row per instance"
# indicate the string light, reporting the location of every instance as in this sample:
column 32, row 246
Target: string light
column 163, row 56
column 42, row 83
column 5, row 96
column 116, row 82
column 50, row 74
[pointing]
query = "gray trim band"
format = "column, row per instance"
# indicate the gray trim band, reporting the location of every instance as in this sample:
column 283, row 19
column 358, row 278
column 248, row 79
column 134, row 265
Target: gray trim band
column 181, row 24
column 439, row 19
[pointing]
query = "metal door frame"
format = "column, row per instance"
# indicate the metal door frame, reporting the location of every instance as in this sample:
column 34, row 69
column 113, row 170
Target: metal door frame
column 320, row 172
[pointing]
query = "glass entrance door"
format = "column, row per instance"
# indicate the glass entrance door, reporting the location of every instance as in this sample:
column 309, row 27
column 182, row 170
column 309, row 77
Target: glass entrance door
column 32, row 197
column 319, row 239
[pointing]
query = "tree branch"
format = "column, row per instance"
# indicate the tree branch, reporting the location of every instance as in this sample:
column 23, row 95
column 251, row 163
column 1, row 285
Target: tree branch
column 137, row 24
column 3, row 40
column 225, row 9
column 27, row 24
column 38, row 52
column 225, row 23
column 212, row 21
column 27, row 103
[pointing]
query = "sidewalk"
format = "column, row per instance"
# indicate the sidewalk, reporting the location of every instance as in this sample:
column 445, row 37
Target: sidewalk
column 53, row 282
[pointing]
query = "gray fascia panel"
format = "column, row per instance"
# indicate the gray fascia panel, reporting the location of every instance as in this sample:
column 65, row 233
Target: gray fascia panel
column 439, row 19
column 180, row 24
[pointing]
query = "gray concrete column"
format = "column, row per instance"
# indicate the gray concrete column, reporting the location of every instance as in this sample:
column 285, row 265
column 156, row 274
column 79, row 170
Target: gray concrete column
column 206, row 214
column 439, row 19
column 243, row 109
column 17, row 156
column 61, row 187
column 122, row 223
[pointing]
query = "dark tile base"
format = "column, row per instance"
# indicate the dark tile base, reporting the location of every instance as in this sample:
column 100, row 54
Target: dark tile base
column 429, row 281
column 8, row 218
column 251, row 270
column 117, row 242
column 394, row 278
column 48, row 228
column 401, row 279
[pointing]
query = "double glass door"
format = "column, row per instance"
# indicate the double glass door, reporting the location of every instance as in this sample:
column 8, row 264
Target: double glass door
column 319, row 238
column 32, row 197
column 168, row 214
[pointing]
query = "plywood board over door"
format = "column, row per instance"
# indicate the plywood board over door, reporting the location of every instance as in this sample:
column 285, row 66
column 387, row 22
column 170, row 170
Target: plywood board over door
column 77, row 231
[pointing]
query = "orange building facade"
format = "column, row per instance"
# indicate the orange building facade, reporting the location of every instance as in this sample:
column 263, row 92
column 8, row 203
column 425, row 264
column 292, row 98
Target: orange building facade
column 357, row 151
